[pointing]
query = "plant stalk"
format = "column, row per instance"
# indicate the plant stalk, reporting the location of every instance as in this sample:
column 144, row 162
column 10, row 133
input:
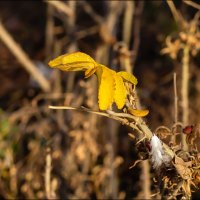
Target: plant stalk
column 185, row 92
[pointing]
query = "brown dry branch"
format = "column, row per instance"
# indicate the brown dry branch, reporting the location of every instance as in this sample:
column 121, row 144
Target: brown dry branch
column 61, row 6
column 173, row 138
column 175, row 99
column 185, row 91
column 146, row 179
column 128, row 18
column 73, row 46
column 192, row 3
column 136, row 30
column 49, row 31
column 126, row 119
column 176, row 14
column 48, row 169
column 89, row 10
column 23, row 58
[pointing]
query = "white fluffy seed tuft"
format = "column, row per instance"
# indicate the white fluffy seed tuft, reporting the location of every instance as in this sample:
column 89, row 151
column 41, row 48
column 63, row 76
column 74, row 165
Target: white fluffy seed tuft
column 158, row 156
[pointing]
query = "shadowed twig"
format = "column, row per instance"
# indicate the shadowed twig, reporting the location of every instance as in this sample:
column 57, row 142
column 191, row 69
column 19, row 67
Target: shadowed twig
column 23, row 58
column 61, row 6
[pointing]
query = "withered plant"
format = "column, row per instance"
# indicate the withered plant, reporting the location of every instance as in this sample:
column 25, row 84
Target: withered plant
column 177, row 170
column 77, row 149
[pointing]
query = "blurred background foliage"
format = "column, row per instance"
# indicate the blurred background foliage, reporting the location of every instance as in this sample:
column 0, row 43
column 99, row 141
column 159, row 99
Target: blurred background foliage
column 68, row 154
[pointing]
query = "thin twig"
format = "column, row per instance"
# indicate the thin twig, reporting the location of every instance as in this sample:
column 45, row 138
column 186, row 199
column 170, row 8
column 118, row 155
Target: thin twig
column 128, row 18
column 49, row 31
column 175, row 100
column 193, row 4
column 184, row 92
column 173, row 137
column 73, row 46
column 48, row 175
column 176, row 14
column 135, row 163
column 122, row 117
column 86, row 32
column 110, row 113
column 146, row 177
column 90, row 11
column 61, row 6
column 174, row 194
column 136, row 30
column 23, row 58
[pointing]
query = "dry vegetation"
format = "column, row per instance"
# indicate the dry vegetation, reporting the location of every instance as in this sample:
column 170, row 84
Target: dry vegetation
column 77, row 151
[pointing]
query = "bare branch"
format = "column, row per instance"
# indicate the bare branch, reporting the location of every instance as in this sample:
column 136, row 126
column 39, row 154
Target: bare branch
column 193, row 4
column 61, row 7
column 23, row 58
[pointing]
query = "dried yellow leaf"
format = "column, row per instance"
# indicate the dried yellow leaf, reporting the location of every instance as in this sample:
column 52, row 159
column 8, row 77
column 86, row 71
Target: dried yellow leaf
column 106, row 87
column 128, row 77
column 120, row 91
column 74, row 62
column 138, row 113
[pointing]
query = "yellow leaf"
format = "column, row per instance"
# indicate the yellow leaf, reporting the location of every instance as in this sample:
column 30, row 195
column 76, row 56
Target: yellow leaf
column 120, row 92
column 138, row 113
column 111, row 84
column 106, row 87
column 128, row 77
column 73, row 62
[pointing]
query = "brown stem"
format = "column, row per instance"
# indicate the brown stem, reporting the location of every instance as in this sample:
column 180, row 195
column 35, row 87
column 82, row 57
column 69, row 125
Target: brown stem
column 184, row 92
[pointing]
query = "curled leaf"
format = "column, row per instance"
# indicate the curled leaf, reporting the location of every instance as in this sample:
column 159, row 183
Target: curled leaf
column 74, row 62
column 138, row 113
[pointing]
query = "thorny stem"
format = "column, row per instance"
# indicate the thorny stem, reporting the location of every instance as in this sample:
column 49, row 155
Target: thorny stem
column 184, row 91
column 127, row 119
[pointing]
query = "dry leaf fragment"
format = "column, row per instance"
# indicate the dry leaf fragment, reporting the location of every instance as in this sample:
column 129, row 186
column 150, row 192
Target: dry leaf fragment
column 183, row 168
